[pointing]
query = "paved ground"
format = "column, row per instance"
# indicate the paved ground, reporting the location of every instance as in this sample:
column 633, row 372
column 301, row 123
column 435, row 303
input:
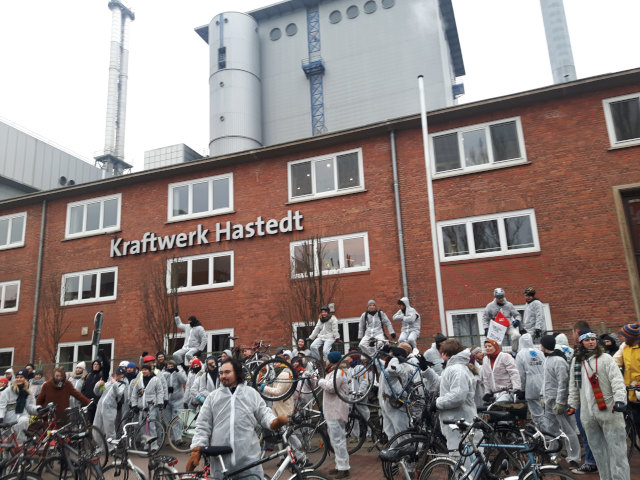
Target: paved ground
column 365, row 465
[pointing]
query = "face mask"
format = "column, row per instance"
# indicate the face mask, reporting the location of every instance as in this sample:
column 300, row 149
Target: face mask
column 59, row 384
column 195, row 369
column 171, row 369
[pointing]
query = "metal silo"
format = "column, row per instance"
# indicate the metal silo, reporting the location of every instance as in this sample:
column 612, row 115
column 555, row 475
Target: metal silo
column 235, row 122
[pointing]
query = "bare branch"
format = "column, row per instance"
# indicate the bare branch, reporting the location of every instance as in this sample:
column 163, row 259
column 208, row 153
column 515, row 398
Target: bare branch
column 53, row 324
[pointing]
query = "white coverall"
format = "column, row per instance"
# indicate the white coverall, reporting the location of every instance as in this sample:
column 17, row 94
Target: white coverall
column 230, row 419
column 175, row 388
column 509, row 311
column 395, row 419
column 113, row 395
column 8, row 398
column 370, row 328
column 410, row 319
column 147, row 397
column 605, row 428
column 323, row 337
column 432, row 355
column 195, row 340
column 530, row 363
column 336, row 412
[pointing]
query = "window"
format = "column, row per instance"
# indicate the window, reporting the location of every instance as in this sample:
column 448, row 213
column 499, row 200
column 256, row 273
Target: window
column 6, row 358
column 488, row 236
column 478, row 147
column 217, row 340
column 347, row 253
column 326, row 176
column 622, row 115
column 9, row 295
column 347, row 327
column 200, row 272
column 89, row 286
column 12, row 229
column 70, row 353
column 466, row 325
column 203, row 197
column 94, row 216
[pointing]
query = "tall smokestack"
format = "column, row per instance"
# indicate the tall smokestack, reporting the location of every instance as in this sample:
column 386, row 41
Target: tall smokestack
column 112, row 159
column 558, row 41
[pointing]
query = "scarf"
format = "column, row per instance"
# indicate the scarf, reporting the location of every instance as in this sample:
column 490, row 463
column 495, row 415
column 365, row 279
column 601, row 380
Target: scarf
column 594, row 381
column 21, row 401
column 581, row 354
column 147, row 379
column 493, row 356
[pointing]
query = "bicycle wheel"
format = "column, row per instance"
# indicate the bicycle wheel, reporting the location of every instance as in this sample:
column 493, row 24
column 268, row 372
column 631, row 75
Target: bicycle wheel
column 556, row 474
column 89, row 471
column 630, row 429
column 312, row 369
column 274, row 379
column 122, row 472
column 164, row 473
column 314, row 443
column 308, row 476
column 354, row 443
column 97, row 443
column 441, row 468
column 185, row 423
column 149, row 428
column 359, row 382
column 410, row 456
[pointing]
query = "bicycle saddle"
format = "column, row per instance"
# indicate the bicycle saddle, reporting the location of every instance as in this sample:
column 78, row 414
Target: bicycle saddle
column 8, row 424
column 394, row 455
column 148, row 439
column 213, row 451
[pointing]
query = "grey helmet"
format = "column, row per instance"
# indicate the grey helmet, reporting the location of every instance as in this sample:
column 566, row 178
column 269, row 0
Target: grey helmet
column 498, row 293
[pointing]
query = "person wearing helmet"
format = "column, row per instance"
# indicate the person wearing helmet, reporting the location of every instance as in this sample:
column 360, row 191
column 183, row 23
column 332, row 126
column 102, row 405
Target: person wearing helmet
column 500, row 304
column 325, row 333
column 533, row 317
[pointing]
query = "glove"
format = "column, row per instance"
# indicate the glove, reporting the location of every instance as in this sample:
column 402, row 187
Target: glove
column 185, row 405
column 393, row 336
column 432, row 406
column 486, row 331
column 279, row 422
column 372, row 342
column 1, row 420
column 520, row 394
column 386, row 348
column 338, row 340
column 175, row 314
column 537, row 332
column 422, row 362
column 560, row 408
column 571, row 411
column 515, row 323
column 619, row 407
column 170, row 389
column 262, row 385
column 309, row 340
column 194, row 459
column 201, row 398
column 144, row 354
column 136, row 410
column 487, row 397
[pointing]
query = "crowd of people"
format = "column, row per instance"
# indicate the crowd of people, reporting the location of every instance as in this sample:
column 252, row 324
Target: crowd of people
column 580, row 390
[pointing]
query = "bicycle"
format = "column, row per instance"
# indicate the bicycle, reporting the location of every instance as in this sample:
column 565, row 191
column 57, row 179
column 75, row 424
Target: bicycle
column 289, row 460
column 633, row 440
column 148, row 426
column 473, row 463
column 122, row 467
column 185, row 423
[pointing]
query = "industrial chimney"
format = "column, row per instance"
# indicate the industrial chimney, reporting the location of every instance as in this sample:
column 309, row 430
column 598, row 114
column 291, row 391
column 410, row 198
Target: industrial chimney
column 558, row 41
column 112, row 160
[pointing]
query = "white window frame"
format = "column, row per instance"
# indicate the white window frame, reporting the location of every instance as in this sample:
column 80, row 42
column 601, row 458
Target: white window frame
column 343, row 325
column 208, row 333
column 75, row 346
column 99, row 272
column 478, row 168
column 314, row 195
column 340, row 239
column 11, row 350
column 610, row 124
column 479, row 311
column 468, row 222
column 3, row 286
column 19, row 243
column 211, row 284
column 99, row 231
column 210, row 212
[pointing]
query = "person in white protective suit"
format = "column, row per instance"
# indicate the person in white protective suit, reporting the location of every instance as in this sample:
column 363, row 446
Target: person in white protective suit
column 17, row 403
column 533, row 317
column 359, row 382
column 457, row 390
column 395, row 416
column 147, row 393
column 151, row 360
column 562, row 344
column 336, row 413
column 190, row 394
column 410, row 319
column 556, row 392
column 325, row 333
column 370, row 328
column 112, row 398
column 206, row 381
column 530, row 363
column 597, row 387
column 499, row 373
column 195, row 340
column 432, row 354
column 500, row 305
column 176, row 379
column 229, row 417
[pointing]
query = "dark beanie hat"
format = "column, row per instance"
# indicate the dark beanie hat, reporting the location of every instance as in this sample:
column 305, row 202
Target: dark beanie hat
column 548, row 342
column 439, row 338
column 631, row 331
column 334, row 357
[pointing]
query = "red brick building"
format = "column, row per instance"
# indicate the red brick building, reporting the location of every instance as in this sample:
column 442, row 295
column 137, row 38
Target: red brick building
column 539, row 188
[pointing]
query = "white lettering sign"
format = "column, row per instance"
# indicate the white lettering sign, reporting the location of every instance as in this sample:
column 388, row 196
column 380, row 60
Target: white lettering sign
column 150, row 242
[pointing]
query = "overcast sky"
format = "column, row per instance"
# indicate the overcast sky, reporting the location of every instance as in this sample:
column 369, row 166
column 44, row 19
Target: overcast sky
column 54, row 59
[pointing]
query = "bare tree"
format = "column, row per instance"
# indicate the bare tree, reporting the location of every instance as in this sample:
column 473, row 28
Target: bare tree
column 308, row 286
column 160, row 302
column 53, row 323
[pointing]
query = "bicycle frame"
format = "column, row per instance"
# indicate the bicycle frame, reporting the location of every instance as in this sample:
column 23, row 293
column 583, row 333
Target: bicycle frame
column 398, row 396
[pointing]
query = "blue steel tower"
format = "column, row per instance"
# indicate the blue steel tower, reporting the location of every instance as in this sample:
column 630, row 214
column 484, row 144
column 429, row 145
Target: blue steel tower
column 313, row 67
